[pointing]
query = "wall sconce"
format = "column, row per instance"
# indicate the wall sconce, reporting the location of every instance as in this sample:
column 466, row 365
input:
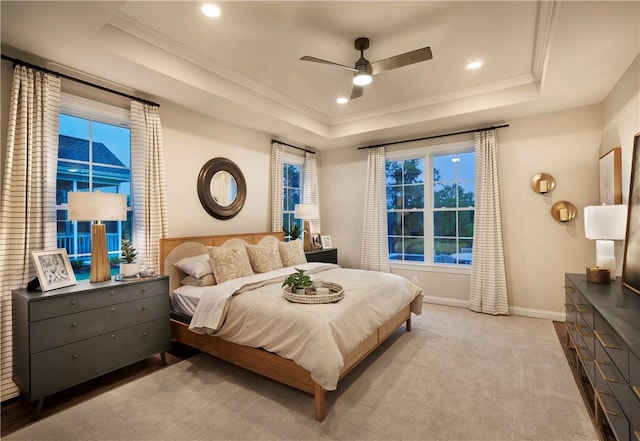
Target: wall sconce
column 563, row 211
column 543, row 183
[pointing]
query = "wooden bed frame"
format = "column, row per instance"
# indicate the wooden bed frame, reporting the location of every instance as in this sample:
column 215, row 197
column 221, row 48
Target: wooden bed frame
column 261, row 361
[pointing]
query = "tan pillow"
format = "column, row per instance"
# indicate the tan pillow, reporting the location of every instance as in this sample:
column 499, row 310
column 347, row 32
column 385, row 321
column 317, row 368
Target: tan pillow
column 265, row 257
column 207, row 280
column 196, row 266
column 229, row 263
column 292, row 253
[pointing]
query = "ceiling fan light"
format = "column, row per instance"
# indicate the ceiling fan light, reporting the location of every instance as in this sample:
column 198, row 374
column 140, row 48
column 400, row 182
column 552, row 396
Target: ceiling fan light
column 362, row 79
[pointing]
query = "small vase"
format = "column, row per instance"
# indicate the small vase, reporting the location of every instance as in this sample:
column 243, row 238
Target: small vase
column 300, row 291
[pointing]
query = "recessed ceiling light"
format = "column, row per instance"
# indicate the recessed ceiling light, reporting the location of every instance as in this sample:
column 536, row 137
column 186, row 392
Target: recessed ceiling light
column 474, row 65
column 210, row 10
column 342, row 100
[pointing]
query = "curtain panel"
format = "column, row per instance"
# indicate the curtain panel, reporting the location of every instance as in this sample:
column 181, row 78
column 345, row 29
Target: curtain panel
column 488, row 276
column 375, row 246
column 277, row 185
column 28, row 215
column 311, row 194
column 148, row 181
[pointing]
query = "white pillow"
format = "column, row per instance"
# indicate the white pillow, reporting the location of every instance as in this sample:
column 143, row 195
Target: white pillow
column 207, row 280
column 196, row 266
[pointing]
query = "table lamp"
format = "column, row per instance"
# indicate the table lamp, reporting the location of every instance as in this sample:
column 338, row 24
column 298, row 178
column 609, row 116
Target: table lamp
column 605, row 223
column 98, row 207
column 306, row 212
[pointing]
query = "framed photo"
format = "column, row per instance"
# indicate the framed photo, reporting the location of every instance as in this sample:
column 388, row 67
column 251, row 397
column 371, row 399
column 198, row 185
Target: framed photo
column 610, row 177
column 315, row 241
column 631, row 264
column 53, row 269
column 326, row 242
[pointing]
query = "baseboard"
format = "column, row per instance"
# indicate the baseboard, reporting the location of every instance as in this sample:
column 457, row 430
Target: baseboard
column 515, row 310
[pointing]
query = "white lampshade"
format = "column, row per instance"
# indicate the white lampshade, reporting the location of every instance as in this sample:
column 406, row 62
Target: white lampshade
column 97, row 206
column 605, row 222
column 306, row 211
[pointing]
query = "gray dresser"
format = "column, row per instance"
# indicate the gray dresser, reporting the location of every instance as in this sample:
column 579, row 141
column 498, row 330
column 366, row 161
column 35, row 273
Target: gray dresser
column 603, row 324
column 66, row 336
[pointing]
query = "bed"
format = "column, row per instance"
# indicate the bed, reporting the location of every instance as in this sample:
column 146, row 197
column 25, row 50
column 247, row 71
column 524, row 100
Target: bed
column 217, row 319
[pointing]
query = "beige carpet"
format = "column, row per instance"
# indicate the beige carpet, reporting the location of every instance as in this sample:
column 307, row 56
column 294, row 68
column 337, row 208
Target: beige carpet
column 457, row 376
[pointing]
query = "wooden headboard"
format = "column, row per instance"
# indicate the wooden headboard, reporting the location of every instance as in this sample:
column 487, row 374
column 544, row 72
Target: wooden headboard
column 176, row 248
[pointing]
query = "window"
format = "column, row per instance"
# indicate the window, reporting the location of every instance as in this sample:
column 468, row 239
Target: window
column 92, row 155
column 292, row 177
column 430, row 215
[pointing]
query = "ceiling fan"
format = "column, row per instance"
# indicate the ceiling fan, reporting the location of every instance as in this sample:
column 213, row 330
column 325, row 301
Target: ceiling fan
column 364, row 70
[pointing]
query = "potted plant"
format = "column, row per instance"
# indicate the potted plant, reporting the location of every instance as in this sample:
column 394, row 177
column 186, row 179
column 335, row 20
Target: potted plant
column 294, row 233
column 128, row 267
column 297, row 282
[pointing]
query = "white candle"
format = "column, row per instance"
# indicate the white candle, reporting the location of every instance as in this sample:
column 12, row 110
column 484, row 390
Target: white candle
column 322, row 291
column 564, row 214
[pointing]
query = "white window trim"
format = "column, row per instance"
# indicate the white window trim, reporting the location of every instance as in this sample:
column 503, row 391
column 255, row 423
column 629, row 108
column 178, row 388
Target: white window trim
column 428, row 152
column 94, row 110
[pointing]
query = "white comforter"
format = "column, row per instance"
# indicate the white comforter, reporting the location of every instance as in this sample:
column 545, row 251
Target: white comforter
column 251, row 311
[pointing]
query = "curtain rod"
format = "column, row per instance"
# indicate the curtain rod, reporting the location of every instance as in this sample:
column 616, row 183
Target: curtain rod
column 294, row 146
column 77, row 80
column 434, row 136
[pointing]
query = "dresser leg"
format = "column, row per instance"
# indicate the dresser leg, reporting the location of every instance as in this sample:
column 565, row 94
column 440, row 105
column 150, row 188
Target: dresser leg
column 164, row 358
column 39, row 404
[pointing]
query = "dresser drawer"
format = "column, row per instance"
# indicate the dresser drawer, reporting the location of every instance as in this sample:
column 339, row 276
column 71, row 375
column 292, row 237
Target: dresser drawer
column 62, row 367
column 586, row 334
column 615, row 347
column 608, row 375
column 634, row 393
column 58, row 331
column 612, row 412
column 582, row 305
column 66, row 304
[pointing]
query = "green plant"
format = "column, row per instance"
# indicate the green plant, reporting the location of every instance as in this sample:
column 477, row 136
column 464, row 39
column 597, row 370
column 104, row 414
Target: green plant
column 294, row 232
column 114, row 260
column 127, row 251
column 76, row 264
column 297, row 280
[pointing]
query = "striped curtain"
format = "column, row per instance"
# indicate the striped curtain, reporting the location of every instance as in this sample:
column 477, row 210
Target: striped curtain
column 277, row 185
column 311, row 194
column 28, row 215
column 147, row 180
column 375, row 246
column 488, row 276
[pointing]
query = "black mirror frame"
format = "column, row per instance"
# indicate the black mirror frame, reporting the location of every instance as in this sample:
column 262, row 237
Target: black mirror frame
column 204, row 188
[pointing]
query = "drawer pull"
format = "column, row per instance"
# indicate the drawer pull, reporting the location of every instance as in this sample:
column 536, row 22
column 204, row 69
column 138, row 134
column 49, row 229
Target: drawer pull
column 143, row 290
column 144, row 308
column 607, row 379
column 73, row 325
column 601, row 392
column 610, row 412
column 636, row 391
column 599, row 335
column 73, row 303
column 569, row 289
column 113, row 336
column 112, row 292
column 582, row 310
column 74, row 357
column 144, row 335
column 637, row 434
column 113, row 310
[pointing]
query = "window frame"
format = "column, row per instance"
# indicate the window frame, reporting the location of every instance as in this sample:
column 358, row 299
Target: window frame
column 298, row 160
column 427, row 153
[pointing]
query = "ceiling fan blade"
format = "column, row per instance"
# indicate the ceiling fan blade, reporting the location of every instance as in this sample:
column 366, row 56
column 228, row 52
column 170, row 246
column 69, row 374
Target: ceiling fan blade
column 402, row 60
column 320, row 60
column 356, row 92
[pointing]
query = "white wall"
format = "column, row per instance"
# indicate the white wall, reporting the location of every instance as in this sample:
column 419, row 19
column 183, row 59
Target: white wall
column 538, row 249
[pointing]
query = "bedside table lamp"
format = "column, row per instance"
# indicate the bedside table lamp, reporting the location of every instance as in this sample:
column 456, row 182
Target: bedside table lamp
column 605, row 223
column 306, row 212
column 98, row 207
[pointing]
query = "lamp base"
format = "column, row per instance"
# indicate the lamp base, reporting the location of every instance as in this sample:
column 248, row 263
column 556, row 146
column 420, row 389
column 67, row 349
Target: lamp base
column 307, row 236
column 100, row 269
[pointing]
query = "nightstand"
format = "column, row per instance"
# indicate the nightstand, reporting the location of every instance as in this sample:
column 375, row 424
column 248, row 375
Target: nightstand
column 327, row 255
column 69, row 335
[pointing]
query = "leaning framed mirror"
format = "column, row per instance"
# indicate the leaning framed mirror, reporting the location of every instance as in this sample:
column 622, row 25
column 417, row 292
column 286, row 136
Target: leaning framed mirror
column 221, row 188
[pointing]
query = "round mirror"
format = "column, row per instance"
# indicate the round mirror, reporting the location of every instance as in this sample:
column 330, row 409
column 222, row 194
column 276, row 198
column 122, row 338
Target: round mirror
column 221, row 188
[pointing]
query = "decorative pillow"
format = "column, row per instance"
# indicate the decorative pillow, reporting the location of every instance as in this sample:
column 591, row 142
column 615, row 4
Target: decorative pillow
column 196, row 266
column 229, row 263
column 292, row 253
column 264, row 258
column 207, row 280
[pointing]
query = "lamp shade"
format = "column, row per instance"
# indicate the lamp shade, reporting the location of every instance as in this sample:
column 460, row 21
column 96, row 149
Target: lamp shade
column 605, row 222
column 97, row 206
column 306, row 211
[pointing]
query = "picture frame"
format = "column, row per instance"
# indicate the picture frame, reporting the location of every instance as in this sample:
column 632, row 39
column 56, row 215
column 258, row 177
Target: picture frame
column 315, row 241
column 53, row 269
column 631, row 264
column 610, row 166
column 326, row 242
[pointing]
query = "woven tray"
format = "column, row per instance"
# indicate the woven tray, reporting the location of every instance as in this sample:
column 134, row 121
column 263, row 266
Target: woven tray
column 336, row 293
